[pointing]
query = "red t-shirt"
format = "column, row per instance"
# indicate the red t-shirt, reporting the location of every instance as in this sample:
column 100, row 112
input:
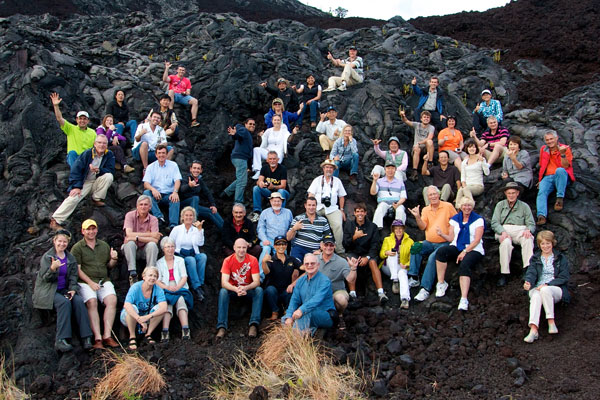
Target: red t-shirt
column 240, row 273
column 179, row 85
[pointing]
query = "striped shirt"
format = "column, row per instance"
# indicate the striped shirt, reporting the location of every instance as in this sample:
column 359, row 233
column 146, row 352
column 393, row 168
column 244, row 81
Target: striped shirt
column 491, row 138
column 312, row 233
column 390, row 192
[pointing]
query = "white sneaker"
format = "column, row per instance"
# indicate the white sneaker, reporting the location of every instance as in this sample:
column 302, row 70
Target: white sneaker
column 422, row 295
column 463, row 305
column 395, row 287
column 254, row 217
column 342, row 87
column 440, row 289
column 532, row 337
column 256, row 175
column 413, row 282
column 404, row 304
column 329, row 89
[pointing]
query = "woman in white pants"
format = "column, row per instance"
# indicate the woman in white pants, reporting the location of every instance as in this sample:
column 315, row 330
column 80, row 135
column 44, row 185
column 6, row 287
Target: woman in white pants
column 273, row 139
column 546, row 280
column 395, row 253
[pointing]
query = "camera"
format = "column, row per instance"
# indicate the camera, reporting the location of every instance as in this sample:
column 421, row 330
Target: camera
column 326, row 201
column 391, row 213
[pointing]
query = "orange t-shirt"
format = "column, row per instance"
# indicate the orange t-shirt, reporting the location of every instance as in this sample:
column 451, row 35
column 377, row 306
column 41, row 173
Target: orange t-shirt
column 439, row 217
column 554, row 161
column 452, row 142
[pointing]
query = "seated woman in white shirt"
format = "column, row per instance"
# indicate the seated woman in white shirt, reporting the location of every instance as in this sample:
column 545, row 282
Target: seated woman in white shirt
column 472, row 170
column 273, row 139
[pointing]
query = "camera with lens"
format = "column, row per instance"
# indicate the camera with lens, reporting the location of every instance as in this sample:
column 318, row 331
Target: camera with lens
column 326, row 201
column 391, row 213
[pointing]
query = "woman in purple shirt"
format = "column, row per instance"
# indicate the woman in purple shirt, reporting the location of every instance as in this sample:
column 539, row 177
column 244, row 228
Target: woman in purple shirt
column 116, row 142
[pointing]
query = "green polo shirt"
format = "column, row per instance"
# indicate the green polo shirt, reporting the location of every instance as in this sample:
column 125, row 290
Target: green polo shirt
column 520, row 215
column 78, row 140
column 93, row 262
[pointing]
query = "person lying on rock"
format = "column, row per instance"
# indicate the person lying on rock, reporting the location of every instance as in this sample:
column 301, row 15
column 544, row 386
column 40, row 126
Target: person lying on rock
column 446, row 177
column 93, row 173
column 430, row 99
column 391, row 194
column 487, row 108
column 556, row 171
column 283, row 92
column 352, row 73
column 435, row 221
column 273, row 139
column 288, row 118
column 466, row 248
column 95, row 257
column 240, row 278
column 423, row 140
column 272, row 178
column 345, row 154
column 274, row 221
column 281, row 271
column 80, row 137
column 331, row 129
column 472, row 171
column 168, row 120
column 546, row 281
column 516, row 166
column 180, row 89
column 307, row 230
column 394, row 154
column 361, row 241
column 147, row 137
column 194, row 191
column 493, row 141
column 241, row 153
column 395, row 260
column 239, row 226
column 513, row 222
column 117, row 143
column 311, row 94
column 120, row 112
column 450, row 140
column 56, row 287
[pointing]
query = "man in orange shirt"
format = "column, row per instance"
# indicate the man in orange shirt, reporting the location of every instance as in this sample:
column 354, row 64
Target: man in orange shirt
column 434, row 220
column 556, row 169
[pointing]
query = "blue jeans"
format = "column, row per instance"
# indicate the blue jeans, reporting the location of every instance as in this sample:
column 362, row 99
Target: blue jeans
column 173, row 207
column 265, row 250
column 72, row 157
column 347, row 164
column 315, row 319
column 313, row 107
column 299, row 252
column 274, row 298
column 202, row 212
column 224, row 295
column 430, row 272
column 558, row 181
column 259, row 193
column 195, row 265
column 241, row 178
column 131, row 125
column 182, row 98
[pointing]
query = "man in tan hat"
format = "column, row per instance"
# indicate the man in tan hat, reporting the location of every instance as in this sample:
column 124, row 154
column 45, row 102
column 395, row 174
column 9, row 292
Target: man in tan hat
column 513, row 222
column 95, row 257
column 331, row 196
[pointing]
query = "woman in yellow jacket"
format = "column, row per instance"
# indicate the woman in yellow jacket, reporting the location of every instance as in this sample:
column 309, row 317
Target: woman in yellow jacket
column 395, row 253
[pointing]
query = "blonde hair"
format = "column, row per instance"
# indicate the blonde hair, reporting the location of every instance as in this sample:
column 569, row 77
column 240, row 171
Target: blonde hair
column 466, row 200
column 546, row 235
column 149, row 269
column 185, row 209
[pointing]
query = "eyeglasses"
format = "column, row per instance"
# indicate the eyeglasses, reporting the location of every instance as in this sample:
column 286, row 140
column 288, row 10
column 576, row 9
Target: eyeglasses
column 281, row 244
column 328, row 244
column 310, row 263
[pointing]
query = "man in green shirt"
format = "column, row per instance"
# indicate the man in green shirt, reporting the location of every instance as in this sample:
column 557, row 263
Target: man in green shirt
column 79, row 137
column 94, row 258
column 513, row 222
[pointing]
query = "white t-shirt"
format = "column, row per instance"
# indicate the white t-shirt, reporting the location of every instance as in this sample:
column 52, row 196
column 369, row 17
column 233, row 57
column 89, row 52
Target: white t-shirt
column 333, row 189
column 476, row 224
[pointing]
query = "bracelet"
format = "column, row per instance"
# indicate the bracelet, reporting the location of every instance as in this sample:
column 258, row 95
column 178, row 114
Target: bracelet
column 353, row 269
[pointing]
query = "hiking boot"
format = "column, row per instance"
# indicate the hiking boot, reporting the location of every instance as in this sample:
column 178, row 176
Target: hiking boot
column 164, row 337
column 127, row 169
column 383, row 299
column 413, row 175
column 199, row 293
column 54, row 225
column 463, row 305
column 62, row 345
column 221, row 333
column 98, row 203
column 353, row 180
column 422, row 295
column 254, row 217
column 395, row 287
column 559, row 204
column 541, row 220
column 252, row 331
column 185, row 334
column 132, row 278
column 412, row 282
column 342, row 87
column 87, row 343
column 502, row 281
column 440, row 289
column 404, row 304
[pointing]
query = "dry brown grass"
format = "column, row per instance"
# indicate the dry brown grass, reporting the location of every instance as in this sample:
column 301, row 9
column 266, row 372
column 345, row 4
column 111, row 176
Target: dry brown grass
column 288, row 357
column 8, row 387
column 130, row 376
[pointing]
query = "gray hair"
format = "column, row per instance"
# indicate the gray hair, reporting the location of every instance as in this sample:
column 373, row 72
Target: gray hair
column 165, row 241
column 142, row 198
column 551, row 132
column 186, row 209
column 150, row 268
column 492, row 118
column 239, row 205
column 273, row 152
column 432, row 187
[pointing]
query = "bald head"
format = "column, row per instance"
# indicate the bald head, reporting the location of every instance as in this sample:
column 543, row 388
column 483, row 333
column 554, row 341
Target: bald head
column 240, row 247
column 311, row 264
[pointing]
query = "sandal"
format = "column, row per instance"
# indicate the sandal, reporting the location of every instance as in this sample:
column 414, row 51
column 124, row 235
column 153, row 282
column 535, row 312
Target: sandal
column 132, row 345
column 149, row 340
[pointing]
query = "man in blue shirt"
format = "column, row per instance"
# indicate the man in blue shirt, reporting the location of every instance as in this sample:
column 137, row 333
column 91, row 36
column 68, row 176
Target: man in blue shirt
column 274, row 221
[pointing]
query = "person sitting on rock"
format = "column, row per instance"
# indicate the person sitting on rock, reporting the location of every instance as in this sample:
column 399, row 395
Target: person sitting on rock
column 395, row 256
column 92, row 172
column 513, row 222
column 288, row 118
column 162, row 181
column 273, row 139
column 307, row 230
column 450, row 140
column 445, row 176
column 168, row 120
column 311, row 305
column 516, row 166
column 493, row 141
column 361, row 241
column 120, row 112
column 241, row 153
column 394, row 154
column 273, row 178
column 331, row 129
column 117, row 143
column 472, row 170
column 352, row 73
column 311, row 94
column 487, row 108
column 338, row 270
column 79, row 137
column 390, row 192
column 274, row 221
column 331, row 196
column 239, row 227
column 434, row 220
column 95, row 257
column 147, row 137
column 556, row 171
column 345, row 154
column 283, row 92
column 430, row 99
column 423, row 140
column 240, row 277
column 193, row 189
column 56, row 287
column 281, row 271
column 141, row 236
column 179, row 91
column 465, row 248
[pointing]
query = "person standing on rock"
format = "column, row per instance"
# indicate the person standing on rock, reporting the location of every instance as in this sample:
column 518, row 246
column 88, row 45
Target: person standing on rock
column 242, row 152
column 179, row 91
column 283, row 92
column 423, row 140
column 556, row 171
column 513, row 222
column 120, row 112
column 147, row 137
column 91, row 173
column 394, row 154
column 352, row 73
column 430, row 99
column 330, row 129
column 79, row 137
column 487, row 108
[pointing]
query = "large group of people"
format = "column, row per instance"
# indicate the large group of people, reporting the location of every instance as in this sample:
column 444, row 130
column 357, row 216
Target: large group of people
column 304, row 266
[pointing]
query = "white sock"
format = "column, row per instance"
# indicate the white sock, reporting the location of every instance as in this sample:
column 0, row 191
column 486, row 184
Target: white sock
column 352, row 293
column 380, row 291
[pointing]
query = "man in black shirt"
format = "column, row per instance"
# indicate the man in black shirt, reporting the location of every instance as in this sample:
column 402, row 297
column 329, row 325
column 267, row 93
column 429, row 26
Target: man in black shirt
column 273, row 178
column 445, row 176
column 239, row 227
column 193, row 189
column 280, row 274
column 285, row 93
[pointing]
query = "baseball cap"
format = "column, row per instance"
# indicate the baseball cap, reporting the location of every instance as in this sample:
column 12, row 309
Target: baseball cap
column 84, row 114
column 87, row 223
